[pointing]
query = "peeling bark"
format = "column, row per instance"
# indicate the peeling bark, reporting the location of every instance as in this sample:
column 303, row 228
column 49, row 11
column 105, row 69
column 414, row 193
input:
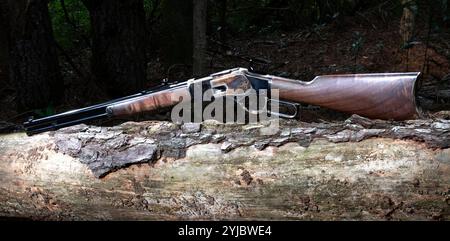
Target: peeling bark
column 104, row 149
column 356, row 169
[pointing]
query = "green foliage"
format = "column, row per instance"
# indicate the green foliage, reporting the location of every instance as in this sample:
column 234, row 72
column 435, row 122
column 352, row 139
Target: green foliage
column 152, row 9
column 49, row 110
column 69, row 29
column 272, row 15
column 241, row 15
column 441, row 14
column 357, row 44
column 438, row 12
column 356, row 47
column 446, row 10
column 411, row 5
column 379, row 46
column 72, row 27
column 319, row 11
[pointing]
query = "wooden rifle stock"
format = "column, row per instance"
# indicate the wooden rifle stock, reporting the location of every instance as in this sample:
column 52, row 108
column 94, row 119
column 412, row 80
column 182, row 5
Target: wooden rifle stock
column 377, row 96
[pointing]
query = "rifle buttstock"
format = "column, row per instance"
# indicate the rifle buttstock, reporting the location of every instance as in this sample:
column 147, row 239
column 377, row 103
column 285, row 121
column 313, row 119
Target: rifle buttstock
column 389, row 96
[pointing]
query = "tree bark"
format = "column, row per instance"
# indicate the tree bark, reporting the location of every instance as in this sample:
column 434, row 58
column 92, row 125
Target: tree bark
column 407, row 22
column 199, row 34
column 33, row 56
column 358, row 169
column 118, row 45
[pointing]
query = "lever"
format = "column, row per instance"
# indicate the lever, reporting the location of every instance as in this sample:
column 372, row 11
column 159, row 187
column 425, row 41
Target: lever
column 288, row 105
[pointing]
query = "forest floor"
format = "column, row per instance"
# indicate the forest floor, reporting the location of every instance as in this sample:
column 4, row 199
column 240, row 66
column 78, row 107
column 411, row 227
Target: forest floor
column 358, row 44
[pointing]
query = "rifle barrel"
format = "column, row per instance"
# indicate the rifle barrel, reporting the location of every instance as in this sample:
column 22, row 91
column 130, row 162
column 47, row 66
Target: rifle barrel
column 73, row 117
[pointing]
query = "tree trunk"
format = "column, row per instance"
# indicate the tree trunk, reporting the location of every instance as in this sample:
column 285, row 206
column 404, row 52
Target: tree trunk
column 118, row 45
column 176, row 38
column 4, row 41
column 407, row 28
column 223, row 21
column 33, row 56
column 199, row 34
column 358, row 169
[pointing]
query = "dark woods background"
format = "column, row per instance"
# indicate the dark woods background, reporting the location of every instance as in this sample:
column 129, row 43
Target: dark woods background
column 62, row 54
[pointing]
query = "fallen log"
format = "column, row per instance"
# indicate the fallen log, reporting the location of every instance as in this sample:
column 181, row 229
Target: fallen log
column 358, row 169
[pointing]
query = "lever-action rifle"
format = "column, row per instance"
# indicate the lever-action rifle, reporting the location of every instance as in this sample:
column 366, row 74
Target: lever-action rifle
column 377, row 96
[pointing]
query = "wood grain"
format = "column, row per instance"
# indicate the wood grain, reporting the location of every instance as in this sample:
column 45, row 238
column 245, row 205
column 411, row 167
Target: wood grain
column 155, row 101
column 377, row 96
